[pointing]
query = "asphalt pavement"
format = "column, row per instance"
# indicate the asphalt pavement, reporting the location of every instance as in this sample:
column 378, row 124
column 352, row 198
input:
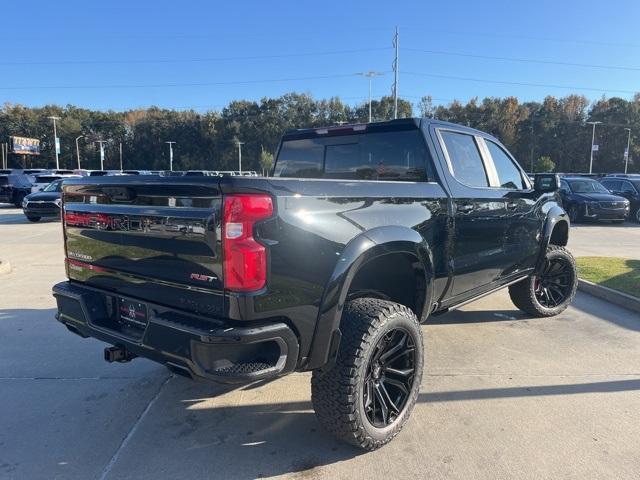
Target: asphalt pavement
column 503, row 396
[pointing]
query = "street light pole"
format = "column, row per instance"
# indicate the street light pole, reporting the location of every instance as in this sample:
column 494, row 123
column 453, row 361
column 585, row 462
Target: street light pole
column 626, row 157
column 55, row 140
column 593, row 137
column 121, row 157
column 170, row 155
column 240, row 156
column 78, row 149
column 370, row 74
column 101, row 153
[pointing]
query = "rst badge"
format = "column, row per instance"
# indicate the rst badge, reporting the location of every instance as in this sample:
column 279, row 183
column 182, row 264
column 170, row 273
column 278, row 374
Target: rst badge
column 203, row 278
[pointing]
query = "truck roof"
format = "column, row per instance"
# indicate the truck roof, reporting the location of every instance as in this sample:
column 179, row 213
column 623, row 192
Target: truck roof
column 399, row 124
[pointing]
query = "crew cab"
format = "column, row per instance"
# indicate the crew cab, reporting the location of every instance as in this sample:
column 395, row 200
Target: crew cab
column 363, row 233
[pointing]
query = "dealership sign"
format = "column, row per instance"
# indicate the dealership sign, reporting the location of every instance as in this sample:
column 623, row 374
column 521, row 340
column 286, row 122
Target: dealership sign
column 25, row 146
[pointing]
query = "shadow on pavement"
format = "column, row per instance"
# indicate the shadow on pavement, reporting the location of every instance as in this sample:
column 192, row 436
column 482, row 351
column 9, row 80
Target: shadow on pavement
column 534, row 391
column 271, row 439
column 465, row 316
column 613, row 314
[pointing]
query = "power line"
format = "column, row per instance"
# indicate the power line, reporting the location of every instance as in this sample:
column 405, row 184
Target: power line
column 526, row 84
column 524, row 60
column 196, row 60
column 164, row 85
column 579, row 41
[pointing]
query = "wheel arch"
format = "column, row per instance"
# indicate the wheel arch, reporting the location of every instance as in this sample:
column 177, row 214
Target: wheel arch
column 554, row 232
column 365, row 253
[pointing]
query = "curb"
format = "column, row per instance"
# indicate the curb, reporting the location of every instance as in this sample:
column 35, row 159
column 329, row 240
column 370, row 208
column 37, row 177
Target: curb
column 5, row 267
column 612, row 296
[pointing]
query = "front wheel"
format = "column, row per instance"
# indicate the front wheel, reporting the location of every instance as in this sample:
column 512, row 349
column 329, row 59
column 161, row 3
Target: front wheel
column 574, row 214
column 638, row 215
column 32, row 218
column 550, row 292
column 366, row 397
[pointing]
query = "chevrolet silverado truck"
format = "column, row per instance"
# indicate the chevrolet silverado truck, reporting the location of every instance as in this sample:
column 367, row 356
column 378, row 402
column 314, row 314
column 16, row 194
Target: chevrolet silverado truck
column 362, row 233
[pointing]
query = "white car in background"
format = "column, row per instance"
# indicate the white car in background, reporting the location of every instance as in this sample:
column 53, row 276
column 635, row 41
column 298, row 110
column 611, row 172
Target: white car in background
column 41, row 181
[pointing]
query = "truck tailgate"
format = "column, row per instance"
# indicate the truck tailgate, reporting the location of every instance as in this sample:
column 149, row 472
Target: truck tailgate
column 154, row 238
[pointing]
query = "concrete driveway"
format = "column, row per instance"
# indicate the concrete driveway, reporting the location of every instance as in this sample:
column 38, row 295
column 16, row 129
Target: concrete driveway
column 503, row 397
column 605, row 240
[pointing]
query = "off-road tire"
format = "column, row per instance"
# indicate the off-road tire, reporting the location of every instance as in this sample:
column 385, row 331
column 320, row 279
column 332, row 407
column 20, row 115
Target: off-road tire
column 337, row 392
column 523, row 293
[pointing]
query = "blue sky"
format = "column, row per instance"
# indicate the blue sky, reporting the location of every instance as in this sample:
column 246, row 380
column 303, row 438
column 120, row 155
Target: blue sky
column 115, row 54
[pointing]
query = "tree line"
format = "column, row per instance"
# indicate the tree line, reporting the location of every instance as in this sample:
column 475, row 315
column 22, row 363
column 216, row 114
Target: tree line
column 544, row 136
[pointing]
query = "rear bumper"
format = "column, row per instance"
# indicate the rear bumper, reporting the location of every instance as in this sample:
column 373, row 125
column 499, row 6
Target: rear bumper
column 202, row 348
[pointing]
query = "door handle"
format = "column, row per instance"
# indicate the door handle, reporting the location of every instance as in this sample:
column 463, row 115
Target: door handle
column 465, row 207
column 512, row 205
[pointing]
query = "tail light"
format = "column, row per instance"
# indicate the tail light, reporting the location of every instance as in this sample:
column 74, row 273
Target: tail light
column 245, row 259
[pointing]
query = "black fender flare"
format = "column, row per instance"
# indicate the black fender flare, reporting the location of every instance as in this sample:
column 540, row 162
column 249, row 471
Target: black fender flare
column 360, row 250
column 555, row 216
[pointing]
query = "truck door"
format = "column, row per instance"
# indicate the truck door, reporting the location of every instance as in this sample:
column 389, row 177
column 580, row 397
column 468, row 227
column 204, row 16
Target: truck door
column 523, row 220
column 479, row 211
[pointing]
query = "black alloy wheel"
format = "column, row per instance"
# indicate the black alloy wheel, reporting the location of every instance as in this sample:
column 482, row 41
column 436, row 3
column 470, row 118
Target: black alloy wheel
column 553, row 285
column 389, row 377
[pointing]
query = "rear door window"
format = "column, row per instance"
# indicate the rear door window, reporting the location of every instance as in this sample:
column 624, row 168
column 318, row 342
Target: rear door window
column 300, row 159
column 508, row 174
column 465, row 160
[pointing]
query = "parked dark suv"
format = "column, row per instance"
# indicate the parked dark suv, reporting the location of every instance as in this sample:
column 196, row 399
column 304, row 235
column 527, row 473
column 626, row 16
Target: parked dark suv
column 13, row 188
column 627, row 187
column 587, row 199
column 45, row 203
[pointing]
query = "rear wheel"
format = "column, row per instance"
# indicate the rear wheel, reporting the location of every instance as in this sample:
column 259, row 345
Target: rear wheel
column 550, row 292
column 366, row 397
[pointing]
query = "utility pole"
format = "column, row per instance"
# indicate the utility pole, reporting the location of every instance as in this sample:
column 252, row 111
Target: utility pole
column 56, row 141
column 101, row 142
column 78, row 149
column 4, row 158
column 370, row 74
column 170, row 155
column 240, row 155
column 396, row 45
column 593, row 137
column 121, row 157
column 627, row 152
column 532, row 144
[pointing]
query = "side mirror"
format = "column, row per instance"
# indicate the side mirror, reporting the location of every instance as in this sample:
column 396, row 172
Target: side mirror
column 546, row 182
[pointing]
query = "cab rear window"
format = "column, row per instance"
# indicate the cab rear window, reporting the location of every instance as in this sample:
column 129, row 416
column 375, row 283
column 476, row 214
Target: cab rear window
column 400, row 155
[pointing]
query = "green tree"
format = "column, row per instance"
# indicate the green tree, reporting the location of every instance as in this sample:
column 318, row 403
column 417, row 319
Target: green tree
column 266, row 161
column 544, row 164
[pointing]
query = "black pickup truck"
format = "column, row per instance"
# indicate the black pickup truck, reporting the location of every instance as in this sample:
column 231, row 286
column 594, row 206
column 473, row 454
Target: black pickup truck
column 363, row 233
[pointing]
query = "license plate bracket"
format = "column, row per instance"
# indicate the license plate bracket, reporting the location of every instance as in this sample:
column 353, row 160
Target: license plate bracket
column 132, row 313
